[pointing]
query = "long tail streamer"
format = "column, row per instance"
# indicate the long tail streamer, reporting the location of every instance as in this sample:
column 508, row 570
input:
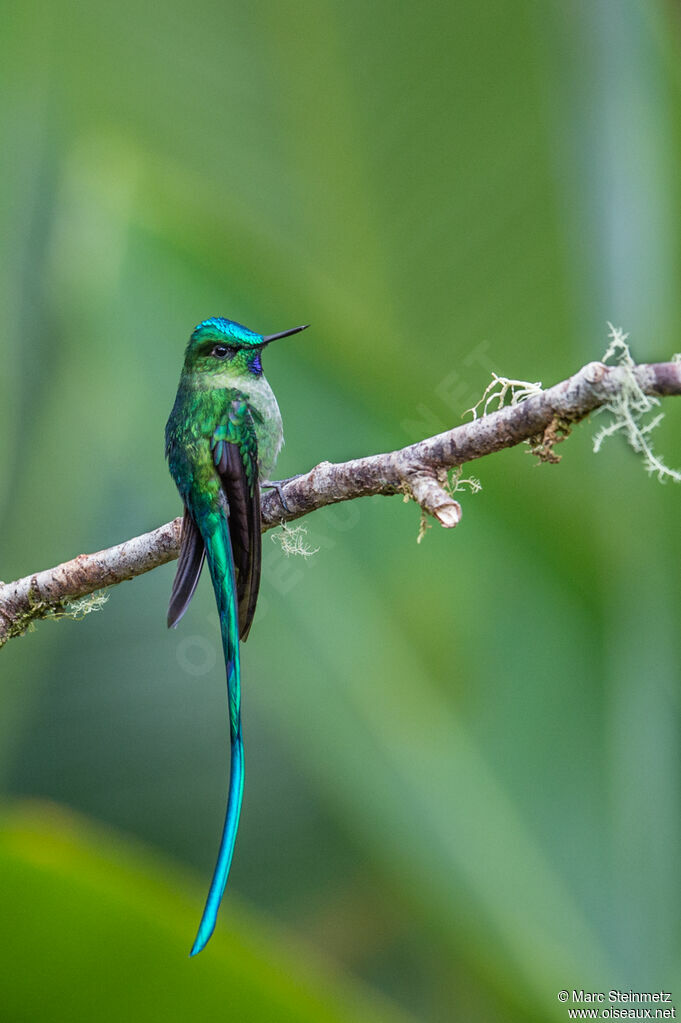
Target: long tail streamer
column 216, row 537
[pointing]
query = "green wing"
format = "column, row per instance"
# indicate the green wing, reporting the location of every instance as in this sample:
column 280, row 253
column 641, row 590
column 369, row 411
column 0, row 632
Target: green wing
column 235, row 457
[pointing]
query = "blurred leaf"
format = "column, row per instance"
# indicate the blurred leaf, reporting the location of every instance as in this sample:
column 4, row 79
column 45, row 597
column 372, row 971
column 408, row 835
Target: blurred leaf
column 73, row 896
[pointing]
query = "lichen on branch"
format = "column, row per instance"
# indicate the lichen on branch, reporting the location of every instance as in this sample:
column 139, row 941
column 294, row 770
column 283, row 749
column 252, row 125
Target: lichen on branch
column 421, row 471
column 629, row 407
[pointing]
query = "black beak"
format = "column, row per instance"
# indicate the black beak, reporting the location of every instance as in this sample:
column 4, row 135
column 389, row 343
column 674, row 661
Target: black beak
column 284, row 333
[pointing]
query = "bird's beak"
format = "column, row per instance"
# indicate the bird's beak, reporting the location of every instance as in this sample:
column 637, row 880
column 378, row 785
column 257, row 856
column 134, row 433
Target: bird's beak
column 284, row 333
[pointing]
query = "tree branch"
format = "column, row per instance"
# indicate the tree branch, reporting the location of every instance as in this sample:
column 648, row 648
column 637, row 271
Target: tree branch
column 418, row 470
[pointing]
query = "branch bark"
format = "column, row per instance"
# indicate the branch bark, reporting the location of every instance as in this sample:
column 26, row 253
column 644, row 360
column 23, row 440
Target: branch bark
column 419, row 471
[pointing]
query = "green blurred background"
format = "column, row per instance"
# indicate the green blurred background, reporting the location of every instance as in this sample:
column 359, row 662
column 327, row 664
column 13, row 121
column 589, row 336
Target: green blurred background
column 462, row 787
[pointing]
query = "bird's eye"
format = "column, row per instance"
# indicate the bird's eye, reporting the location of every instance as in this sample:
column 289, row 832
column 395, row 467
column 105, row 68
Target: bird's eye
column 221, row 351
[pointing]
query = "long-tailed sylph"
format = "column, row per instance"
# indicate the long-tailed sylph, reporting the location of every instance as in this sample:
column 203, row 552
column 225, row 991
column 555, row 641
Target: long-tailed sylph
column 222, row 440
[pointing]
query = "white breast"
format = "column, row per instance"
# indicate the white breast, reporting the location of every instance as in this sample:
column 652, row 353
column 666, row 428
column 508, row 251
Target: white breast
column 270, row 432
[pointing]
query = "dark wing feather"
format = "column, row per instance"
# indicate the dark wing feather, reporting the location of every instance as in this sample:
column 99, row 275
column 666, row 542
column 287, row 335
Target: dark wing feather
column 189, row 565
column 235, row 455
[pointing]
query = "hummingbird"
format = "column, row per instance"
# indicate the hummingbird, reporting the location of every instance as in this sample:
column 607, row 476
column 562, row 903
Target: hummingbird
column 222, row 441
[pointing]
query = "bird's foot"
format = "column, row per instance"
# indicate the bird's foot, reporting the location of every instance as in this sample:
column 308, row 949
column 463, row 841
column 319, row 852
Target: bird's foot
column 278, row 485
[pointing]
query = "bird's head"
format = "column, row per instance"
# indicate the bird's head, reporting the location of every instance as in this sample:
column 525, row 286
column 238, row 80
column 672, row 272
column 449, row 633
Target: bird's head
column 220, row 347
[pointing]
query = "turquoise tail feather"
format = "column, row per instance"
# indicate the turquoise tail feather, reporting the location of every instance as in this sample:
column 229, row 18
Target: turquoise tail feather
column 217, row 886
column 215, row 531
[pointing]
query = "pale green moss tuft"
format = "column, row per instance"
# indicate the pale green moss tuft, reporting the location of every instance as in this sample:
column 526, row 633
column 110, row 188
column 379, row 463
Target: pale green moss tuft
column 424, row 526
column 455, row 482
column 629, row 409
column 291, row 539
column 24, row 621
column 498, row 390
column 78, row 609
